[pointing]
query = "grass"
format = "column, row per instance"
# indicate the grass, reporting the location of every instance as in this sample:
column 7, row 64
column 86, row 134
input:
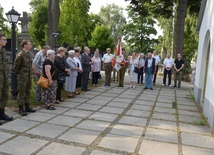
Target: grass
column 34, row 103
column 201, row 122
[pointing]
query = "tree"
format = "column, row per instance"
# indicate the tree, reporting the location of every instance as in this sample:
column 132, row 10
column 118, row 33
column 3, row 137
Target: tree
column 3, row 27
column 137, row 32
column 53, row 21
column 112, row 16
column 38, row 25
column 101, row 38
column 74, row 21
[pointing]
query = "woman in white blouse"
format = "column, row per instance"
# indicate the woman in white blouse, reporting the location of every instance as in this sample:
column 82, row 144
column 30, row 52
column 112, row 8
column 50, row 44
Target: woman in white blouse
column 133, row 62
column 95, row 68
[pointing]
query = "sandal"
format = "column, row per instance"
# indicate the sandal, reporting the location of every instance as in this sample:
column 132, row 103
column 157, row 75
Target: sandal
column 76, row 93
column 50, row 107
column 62, row 100
column 57, row 102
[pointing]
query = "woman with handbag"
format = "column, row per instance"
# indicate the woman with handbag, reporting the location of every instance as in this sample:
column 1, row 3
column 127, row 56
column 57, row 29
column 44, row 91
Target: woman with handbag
column 62, row 71
column 133, row 70
column 49, row 71
column 70, row 85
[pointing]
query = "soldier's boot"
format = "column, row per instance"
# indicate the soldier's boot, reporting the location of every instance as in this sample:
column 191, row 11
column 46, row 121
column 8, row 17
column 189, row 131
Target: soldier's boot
column 21, row 111
column 28, row 108
column 3, row 116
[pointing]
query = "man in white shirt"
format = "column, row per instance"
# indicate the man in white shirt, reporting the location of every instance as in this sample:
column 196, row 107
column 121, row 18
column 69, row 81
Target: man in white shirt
column 157, row 60
column 107, row 59
column 168, row 64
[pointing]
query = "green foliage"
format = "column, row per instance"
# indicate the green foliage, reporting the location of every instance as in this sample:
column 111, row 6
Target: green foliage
column 74, row 20
column 101, row 38
column 137, row 32
column 3, row 27
column 112, row 16
column 38, row 25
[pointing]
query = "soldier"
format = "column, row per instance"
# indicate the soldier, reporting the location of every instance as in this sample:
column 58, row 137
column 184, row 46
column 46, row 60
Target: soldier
column 23, row 70
column 121, row 72
column 4, row 85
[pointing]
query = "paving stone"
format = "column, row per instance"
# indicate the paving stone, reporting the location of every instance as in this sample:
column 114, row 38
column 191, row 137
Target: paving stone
column 78, row 113
column 80, row 136
column 48, row 130
column 167, row 125
column 4, row 136
column 91, row 92
column 19, row 125
column 138, row 113
column 39, row 116
column 122, row 100
column 161, row 135
column 68, row 104
column 122, row 143
column 97, row 152
column 187, row 103
column 118, row 105
column 141, row 107
column 112, row 110
column 77, row 99
column 188, row 150
column 166, row 100
column 61, row 149
column 189, row 108
column 165, row 110
column 188, row 119
column 197, row 140
column 127, row 130
column 59, row 110
column 64, row 120
column 171, row 97
column 89, row 107
column 189, row 113
column 86, row 96
column 147, row 103
column 103, row 98
column 147, row 98
column 200, row 129
column 22, row 145
column 97, row 102
column 165, row 105
column 158, row 148
column 109, row 94
column 133, row 120
column 163, row 116
column 93, row 125
column 127, row 96
column 103, row 116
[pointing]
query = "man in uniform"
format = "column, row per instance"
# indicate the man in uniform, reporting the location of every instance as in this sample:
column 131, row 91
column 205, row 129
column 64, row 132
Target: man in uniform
column 23, row 70
column 121, row 72
column 4, row 85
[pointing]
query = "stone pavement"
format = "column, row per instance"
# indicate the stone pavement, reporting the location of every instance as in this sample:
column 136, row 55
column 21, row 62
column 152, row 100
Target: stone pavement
column 113, row 121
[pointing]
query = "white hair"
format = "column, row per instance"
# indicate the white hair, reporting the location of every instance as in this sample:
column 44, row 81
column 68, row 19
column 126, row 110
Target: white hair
column 49, row 52
column 71, row 52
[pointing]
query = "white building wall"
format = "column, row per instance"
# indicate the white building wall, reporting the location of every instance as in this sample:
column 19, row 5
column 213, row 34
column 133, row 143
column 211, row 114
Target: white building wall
column 206, row 34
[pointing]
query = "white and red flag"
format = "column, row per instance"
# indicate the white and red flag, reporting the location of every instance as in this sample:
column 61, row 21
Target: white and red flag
column 118, row 60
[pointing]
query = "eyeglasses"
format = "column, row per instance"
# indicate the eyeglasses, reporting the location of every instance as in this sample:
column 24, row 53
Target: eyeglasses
column 4, row 39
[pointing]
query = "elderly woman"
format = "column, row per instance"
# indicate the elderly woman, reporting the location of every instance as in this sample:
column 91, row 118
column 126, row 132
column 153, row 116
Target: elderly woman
column 95, row 68
column 70, row 85
column 62, row 71
column 49, row 72
column 133, row 62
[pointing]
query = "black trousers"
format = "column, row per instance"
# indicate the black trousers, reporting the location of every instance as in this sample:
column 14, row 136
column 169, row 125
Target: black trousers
column 165, row 73
column 85, row 78
column 140, row 76
column 155, row 74
column 95, row 77
column 58, row 91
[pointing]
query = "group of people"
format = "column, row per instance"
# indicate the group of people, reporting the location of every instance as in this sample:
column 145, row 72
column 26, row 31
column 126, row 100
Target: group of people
column 148, row 65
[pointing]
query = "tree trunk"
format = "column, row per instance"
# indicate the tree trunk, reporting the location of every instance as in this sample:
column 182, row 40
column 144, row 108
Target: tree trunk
column 53, row 22
column 179, row 27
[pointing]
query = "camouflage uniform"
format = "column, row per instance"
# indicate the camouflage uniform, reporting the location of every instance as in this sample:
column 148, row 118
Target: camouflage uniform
column 4, row 85
column 23, row 70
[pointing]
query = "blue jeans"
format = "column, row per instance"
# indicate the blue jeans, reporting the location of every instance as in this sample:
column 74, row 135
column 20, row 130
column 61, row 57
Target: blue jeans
column 149, row 77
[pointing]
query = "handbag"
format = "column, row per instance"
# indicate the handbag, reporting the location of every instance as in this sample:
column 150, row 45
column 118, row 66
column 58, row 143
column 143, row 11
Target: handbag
column 61, row 79
column 44, row 82
column 136, row 69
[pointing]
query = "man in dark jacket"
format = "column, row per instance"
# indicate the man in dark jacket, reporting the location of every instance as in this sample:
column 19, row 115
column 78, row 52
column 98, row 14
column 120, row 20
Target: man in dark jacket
column 149, row 70
column 86, row 67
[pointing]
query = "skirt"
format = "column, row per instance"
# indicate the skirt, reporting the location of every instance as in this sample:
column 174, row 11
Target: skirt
column 48, row 96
